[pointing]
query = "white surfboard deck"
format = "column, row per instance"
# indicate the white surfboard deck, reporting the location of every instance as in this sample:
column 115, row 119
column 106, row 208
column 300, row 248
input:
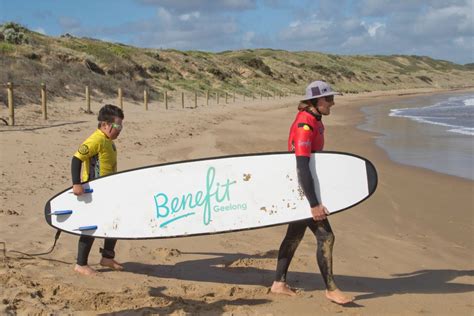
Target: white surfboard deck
column 209, row 196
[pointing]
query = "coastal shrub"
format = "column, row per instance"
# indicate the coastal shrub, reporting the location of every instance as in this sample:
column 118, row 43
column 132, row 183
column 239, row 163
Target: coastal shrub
column 13, row 33
column 33, row 56
column 425, row 79
column 322, row 70
column 93, row 67
column 154, row 55
column 219, row 74
column 469, row 66
column 256, row 63
column 156, row 68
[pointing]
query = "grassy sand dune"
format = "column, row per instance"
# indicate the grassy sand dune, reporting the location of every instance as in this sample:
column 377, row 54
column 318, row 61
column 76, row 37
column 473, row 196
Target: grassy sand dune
column 67, row 64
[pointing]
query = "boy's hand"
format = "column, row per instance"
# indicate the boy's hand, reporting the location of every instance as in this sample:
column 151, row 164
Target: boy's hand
column 77, row 189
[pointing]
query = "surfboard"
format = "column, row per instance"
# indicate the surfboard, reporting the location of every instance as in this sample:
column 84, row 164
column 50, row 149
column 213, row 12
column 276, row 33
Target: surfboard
column 208, row 196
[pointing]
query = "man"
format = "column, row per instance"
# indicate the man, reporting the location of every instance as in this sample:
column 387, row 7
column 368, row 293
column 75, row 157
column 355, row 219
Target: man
column 97, row 157
column 306, row 136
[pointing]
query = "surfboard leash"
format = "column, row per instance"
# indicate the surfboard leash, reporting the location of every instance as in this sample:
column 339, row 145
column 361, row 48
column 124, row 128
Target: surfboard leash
column 4, row 250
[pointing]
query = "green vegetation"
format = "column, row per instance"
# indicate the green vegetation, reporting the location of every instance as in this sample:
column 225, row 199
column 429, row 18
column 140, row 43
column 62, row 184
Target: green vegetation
column 6, row 48
column 13, row 33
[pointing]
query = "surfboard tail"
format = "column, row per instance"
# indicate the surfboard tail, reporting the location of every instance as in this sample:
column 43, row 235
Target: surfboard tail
column 372, row 177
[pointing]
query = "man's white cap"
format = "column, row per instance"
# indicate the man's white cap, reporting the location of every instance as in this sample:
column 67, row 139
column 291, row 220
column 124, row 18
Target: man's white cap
column 318, row 89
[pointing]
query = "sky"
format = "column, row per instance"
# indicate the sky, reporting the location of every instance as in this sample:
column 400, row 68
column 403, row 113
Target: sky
column 441, row 29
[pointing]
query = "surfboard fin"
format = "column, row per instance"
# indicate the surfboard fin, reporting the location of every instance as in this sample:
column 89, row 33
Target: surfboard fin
column 61, row 212
column 85, row 228
column 86, row 191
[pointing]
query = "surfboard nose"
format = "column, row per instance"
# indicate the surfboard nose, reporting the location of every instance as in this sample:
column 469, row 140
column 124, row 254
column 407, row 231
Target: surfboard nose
column 372, row 177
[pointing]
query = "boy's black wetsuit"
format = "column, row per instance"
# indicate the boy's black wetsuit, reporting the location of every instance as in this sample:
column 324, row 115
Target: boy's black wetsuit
column 97, row 157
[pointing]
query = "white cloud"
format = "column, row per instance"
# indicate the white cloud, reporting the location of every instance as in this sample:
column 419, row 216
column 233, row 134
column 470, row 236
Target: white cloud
column 247, row 39
column 180, row 6
column 40, row 30
column 446, row 21
column 309, row 30
column 193, row 30
column 295, row 24
column 440, row 29
column 189, row 16
column 373, row 27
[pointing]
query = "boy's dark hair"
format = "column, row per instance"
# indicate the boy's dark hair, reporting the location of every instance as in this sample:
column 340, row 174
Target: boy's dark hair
column 108, row 112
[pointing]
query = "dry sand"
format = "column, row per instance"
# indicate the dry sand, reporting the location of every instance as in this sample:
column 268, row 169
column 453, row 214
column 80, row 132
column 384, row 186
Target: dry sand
column 407, row 250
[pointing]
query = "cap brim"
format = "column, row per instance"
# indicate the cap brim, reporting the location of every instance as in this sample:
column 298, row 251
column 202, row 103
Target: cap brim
column 322, row 95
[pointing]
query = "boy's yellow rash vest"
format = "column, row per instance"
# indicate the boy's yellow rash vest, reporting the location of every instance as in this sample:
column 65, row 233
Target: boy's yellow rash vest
column 98, row 155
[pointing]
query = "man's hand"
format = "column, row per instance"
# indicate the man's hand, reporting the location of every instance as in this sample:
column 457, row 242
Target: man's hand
column 319, row 212
column 77, row 189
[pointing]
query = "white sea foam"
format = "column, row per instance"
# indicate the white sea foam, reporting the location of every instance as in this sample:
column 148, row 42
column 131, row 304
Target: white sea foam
column 469, row 102
column 464, row 131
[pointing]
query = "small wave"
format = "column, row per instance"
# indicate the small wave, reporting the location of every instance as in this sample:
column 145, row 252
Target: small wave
column 432, row 120
column 469, row 102
column 464, row 131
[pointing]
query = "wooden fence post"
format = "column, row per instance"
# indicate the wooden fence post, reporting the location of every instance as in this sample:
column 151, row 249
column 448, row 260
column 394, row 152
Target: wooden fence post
column 165, row 96
column 207, row 97
column 120, row 98
column 217, row 97
column 88, row 100
column 234, row 97
column 182, row 100
column 44, row 109
column 145, row 99
column 11, row 110
column 226, row 95
column 195, row 99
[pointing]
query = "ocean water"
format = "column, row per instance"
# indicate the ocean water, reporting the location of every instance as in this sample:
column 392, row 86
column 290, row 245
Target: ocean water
column 434, row 132
column 455, row 113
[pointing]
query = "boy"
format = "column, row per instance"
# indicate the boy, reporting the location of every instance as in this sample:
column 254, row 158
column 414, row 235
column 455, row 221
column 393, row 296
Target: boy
column 97, row 157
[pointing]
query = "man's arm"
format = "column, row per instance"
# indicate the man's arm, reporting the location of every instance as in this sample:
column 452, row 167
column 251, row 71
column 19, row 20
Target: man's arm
column 318, row 211
column 306, row 180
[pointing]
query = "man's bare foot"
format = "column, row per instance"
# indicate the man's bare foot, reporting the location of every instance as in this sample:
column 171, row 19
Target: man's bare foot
column 282, row 288
column 338, row 297
column 85, row 270
column 111, row 263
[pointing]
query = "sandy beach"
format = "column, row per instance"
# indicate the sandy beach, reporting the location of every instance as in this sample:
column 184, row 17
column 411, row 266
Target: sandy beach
column 408, row 250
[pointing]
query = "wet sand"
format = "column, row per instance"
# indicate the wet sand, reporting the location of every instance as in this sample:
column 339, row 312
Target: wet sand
column 407, row 250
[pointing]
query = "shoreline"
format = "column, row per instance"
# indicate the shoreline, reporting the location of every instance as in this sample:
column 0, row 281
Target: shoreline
column 406, row 249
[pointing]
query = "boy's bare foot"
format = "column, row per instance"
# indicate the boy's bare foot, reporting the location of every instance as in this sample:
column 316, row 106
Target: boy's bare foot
column 338, row 297
column 111, row 263
column 282, row 288
column 85, row 270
